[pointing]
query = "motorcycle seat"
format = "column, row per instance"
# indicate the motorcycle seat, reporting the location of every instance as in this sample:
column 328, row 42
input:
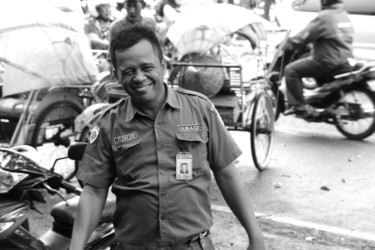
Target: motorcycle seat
column 64, row 215
column 13, row 107
column 331, row 76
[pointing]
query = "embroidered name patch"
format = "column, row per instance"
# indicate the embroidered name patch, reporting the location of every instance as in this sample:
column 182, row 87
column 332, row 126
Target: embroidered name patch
column 125, row 138
column 190, row 128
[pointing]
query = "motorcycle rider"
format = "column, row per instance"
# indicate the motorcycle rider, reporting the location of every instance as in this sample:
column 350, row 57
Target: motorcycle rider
column 331, row 34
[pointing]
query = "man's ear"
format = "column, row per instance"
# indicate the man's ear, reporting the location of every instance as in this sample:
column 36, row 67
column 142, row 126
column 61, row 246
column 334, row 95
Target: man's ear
column 114, row 72
column 164, row 65
column 143, row 4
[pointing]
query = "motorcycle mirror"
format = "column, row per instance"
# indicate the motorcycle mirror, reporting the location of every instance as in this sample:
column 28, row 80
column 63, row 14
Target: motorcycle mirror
column 77, row 150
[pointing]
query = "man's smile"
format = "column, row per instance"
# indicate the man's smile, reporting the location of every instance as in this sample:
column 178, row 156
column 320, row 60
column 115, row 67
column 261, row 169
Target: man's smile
column 143, row 88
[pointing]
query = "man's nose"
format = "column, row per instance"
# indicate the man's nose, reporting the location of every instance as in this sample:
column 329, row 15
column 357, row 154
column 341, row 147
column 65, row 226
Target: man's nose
column 139, row 76
column 131, row 9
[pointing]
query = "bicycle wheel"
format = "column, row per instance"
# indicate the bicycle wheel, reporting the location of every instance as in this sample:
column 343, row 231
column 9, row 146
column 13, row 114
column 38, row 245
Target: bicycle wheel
column 261, row 129
column 54, row 127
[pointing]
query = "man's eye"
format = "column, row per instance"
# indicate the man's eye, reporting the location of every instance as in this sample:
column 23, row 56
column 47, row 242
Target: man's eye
column 147, row 68
column 127, row 73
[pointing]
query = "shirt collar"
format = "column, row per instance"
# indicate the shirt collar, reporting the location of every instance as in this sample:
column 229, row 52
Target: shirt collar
column 171, row 100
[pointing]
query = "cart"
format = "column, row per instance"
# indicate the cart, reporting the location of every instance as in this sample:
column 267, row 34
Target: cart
column 198, row 44
column 244, row 106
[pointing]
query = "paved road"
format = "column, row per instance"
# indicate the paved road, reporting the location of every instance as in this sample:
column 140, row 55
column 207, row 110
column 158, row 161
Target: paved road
column 317, row 180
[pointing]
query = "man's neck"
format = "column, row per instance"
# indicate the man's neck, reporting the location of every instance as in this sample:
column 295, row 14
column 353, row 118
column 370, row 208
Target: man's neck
column 151, row 109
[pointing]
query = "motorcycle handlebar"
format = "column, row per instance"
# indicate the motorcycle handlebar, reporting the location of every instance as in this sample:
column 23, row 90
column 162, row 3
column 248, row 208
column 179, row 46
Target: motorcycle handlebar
column 71, row 188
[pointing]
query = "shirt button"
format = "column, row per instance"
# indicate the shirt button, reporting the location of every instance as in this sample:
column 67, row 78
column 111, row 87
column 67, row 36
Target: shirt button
column 162, row 172
column 159, row 148
column 157, row 125
column 163, row 217
column 162, row 194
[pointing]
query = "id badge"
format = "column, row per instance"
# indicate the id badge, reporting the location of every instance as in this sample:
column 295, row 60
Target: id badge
column 184, row 168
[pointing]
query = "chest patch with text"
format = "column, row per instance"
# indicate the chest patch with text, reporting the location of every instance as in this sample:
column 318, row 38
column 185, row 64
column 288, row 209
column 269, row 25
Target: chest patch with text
column 125, row 138
column 192, row 128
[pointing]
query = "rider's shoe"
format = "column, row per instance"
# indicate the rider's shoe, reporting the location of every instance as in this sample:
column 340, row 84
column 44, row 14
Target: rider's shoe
column 303, row 109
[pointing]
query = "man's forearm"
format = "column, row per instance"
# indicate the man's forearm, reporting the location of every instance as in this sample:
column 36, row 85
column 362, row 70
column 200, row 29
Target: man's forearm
column 90, row 207
column 232, row 189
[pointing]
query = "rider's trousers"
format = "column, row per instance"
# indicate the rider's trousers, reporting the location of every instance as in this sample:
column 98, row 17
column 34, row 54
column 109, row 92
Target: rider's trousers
column 295, row 71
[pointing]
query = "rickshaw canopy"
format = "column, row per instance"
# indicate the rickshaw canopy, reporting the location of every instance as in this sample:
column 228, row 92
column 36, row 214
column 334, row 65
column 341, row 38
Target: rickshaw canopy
column 42, row 44
column 200, row 29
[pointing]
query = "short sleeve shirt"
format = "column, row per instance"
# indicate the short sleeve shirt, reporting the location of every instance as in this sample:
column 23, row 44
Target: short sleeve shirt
column 138, row 156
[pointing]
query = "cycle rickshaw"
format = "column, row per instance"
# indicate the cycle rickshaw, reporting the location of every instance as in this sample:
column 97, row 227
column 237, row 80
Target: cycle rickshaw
column 47, row 70
column 205, row 63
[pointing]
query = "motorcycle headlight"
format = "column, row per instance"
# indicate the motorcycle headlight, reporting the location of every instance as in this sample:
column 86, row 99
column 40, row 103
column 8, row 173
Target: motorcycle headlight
column 8, row 180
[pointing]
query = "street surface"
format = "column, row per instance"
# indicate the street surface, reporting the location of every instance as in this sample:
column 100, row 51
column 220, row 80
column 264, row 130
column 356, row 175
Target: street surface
column 317, row 179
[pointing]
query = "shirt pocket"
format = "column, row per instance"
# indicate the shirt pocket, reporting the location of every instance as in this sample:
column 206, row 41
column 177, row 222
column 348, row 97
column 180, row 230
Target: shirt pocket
column 196, row 144
column 127, row 156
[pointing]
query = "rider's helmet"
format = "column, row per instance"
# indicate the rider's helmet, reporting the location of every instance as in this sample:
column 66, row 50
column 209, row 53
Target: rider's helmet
column 326, row 3
column 94, row 6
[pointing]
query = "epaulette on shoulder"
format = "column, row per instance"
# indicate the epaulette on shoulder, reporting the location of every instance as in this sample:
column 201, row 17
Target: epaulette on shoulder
column 191, row 92
column 111, row 106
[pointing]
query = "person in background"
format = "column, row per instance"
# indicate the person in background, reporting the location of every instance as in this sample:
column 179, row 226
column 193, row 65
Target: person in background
column 98, row 24
column 133, row 16
column 138, row 148
column 331, row 34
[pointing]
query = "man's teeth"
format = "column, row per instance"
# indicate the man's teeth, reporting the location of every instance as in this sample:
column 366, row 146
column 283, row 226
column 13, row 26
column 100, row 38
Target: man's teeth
column 142, row 88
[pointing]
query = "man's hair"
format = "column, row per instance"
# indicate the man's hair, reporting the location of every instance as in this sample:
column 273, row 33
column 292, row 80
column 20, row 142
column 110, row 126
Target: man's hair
column 130, row 36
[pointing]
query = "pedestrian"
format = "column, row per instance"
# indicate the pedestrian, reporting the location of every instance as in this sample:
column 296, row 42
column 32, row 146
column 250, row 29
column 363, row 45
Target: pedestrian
column 331, row 34
column 138, row 147
column 133, row 16
column 98, row 24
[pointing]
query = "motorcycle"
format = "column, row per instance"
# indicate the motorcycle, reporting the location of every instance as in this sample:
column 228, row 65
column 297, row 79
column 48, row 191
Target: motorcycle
column 343, row 98
column 21, row 181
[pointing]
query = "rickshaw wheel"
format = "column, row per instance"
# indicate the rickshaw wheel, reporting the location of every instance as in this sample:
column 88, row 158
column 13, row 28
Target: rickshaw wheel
column 261, row 128
column 54, row 125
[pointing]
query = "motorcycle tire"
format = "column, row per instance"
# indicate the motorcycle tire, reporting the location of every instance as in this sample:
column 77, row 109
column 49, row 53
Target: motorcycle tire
column 359, row 121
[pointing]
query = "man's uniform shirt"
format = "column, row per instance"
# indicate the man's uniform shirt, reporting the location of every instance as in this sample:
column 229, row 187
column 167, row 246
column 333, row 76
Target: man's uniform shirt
column 138, row 156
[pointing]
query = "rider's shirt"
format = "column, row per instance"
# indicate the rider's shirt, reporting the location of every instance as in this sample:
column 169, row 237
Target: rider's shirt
column 139, row 156
column 121, row 24
column 97, row 28
column 331, row 33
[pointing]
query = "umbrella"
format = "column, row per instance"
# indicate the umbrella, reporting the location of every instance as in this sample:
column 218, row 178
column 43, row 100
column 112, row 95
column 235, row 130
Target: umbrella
column 42, row 44
column 201, row 29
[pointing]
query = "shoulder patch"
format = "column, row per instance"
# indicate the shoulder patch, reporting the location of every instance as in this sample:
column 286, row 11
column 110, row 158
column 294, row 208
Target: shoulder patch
column 94, row 134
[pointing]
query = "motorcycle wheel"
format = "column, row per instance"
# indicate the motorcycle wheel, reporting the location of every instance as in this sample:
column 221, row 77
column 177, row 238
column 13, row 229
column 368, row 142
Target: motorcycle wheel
column 356, row 120
column 262, row 131
column 54, row 125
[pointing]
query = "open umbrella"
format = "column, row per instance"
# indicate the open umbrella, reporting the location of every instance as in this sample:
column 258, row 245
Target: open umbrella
column 42, row 44
column 200, row 29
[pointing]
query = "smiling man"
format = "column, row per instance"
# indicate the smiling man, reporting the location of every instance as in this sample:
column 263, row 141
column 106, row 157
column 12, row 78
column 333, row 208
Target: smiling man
column 140, row 146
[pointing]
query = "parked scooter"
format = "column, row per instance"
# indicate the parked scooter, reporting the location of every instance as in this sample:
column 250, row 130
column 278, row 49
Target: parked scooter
column 343, row 98
column 21, row 179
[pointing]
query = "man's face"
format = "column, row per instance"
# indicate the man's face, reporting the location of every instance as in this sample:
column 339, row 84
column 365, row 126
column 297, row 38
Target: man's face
column 140, row 73
column 134, row 9
column 104, row 10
